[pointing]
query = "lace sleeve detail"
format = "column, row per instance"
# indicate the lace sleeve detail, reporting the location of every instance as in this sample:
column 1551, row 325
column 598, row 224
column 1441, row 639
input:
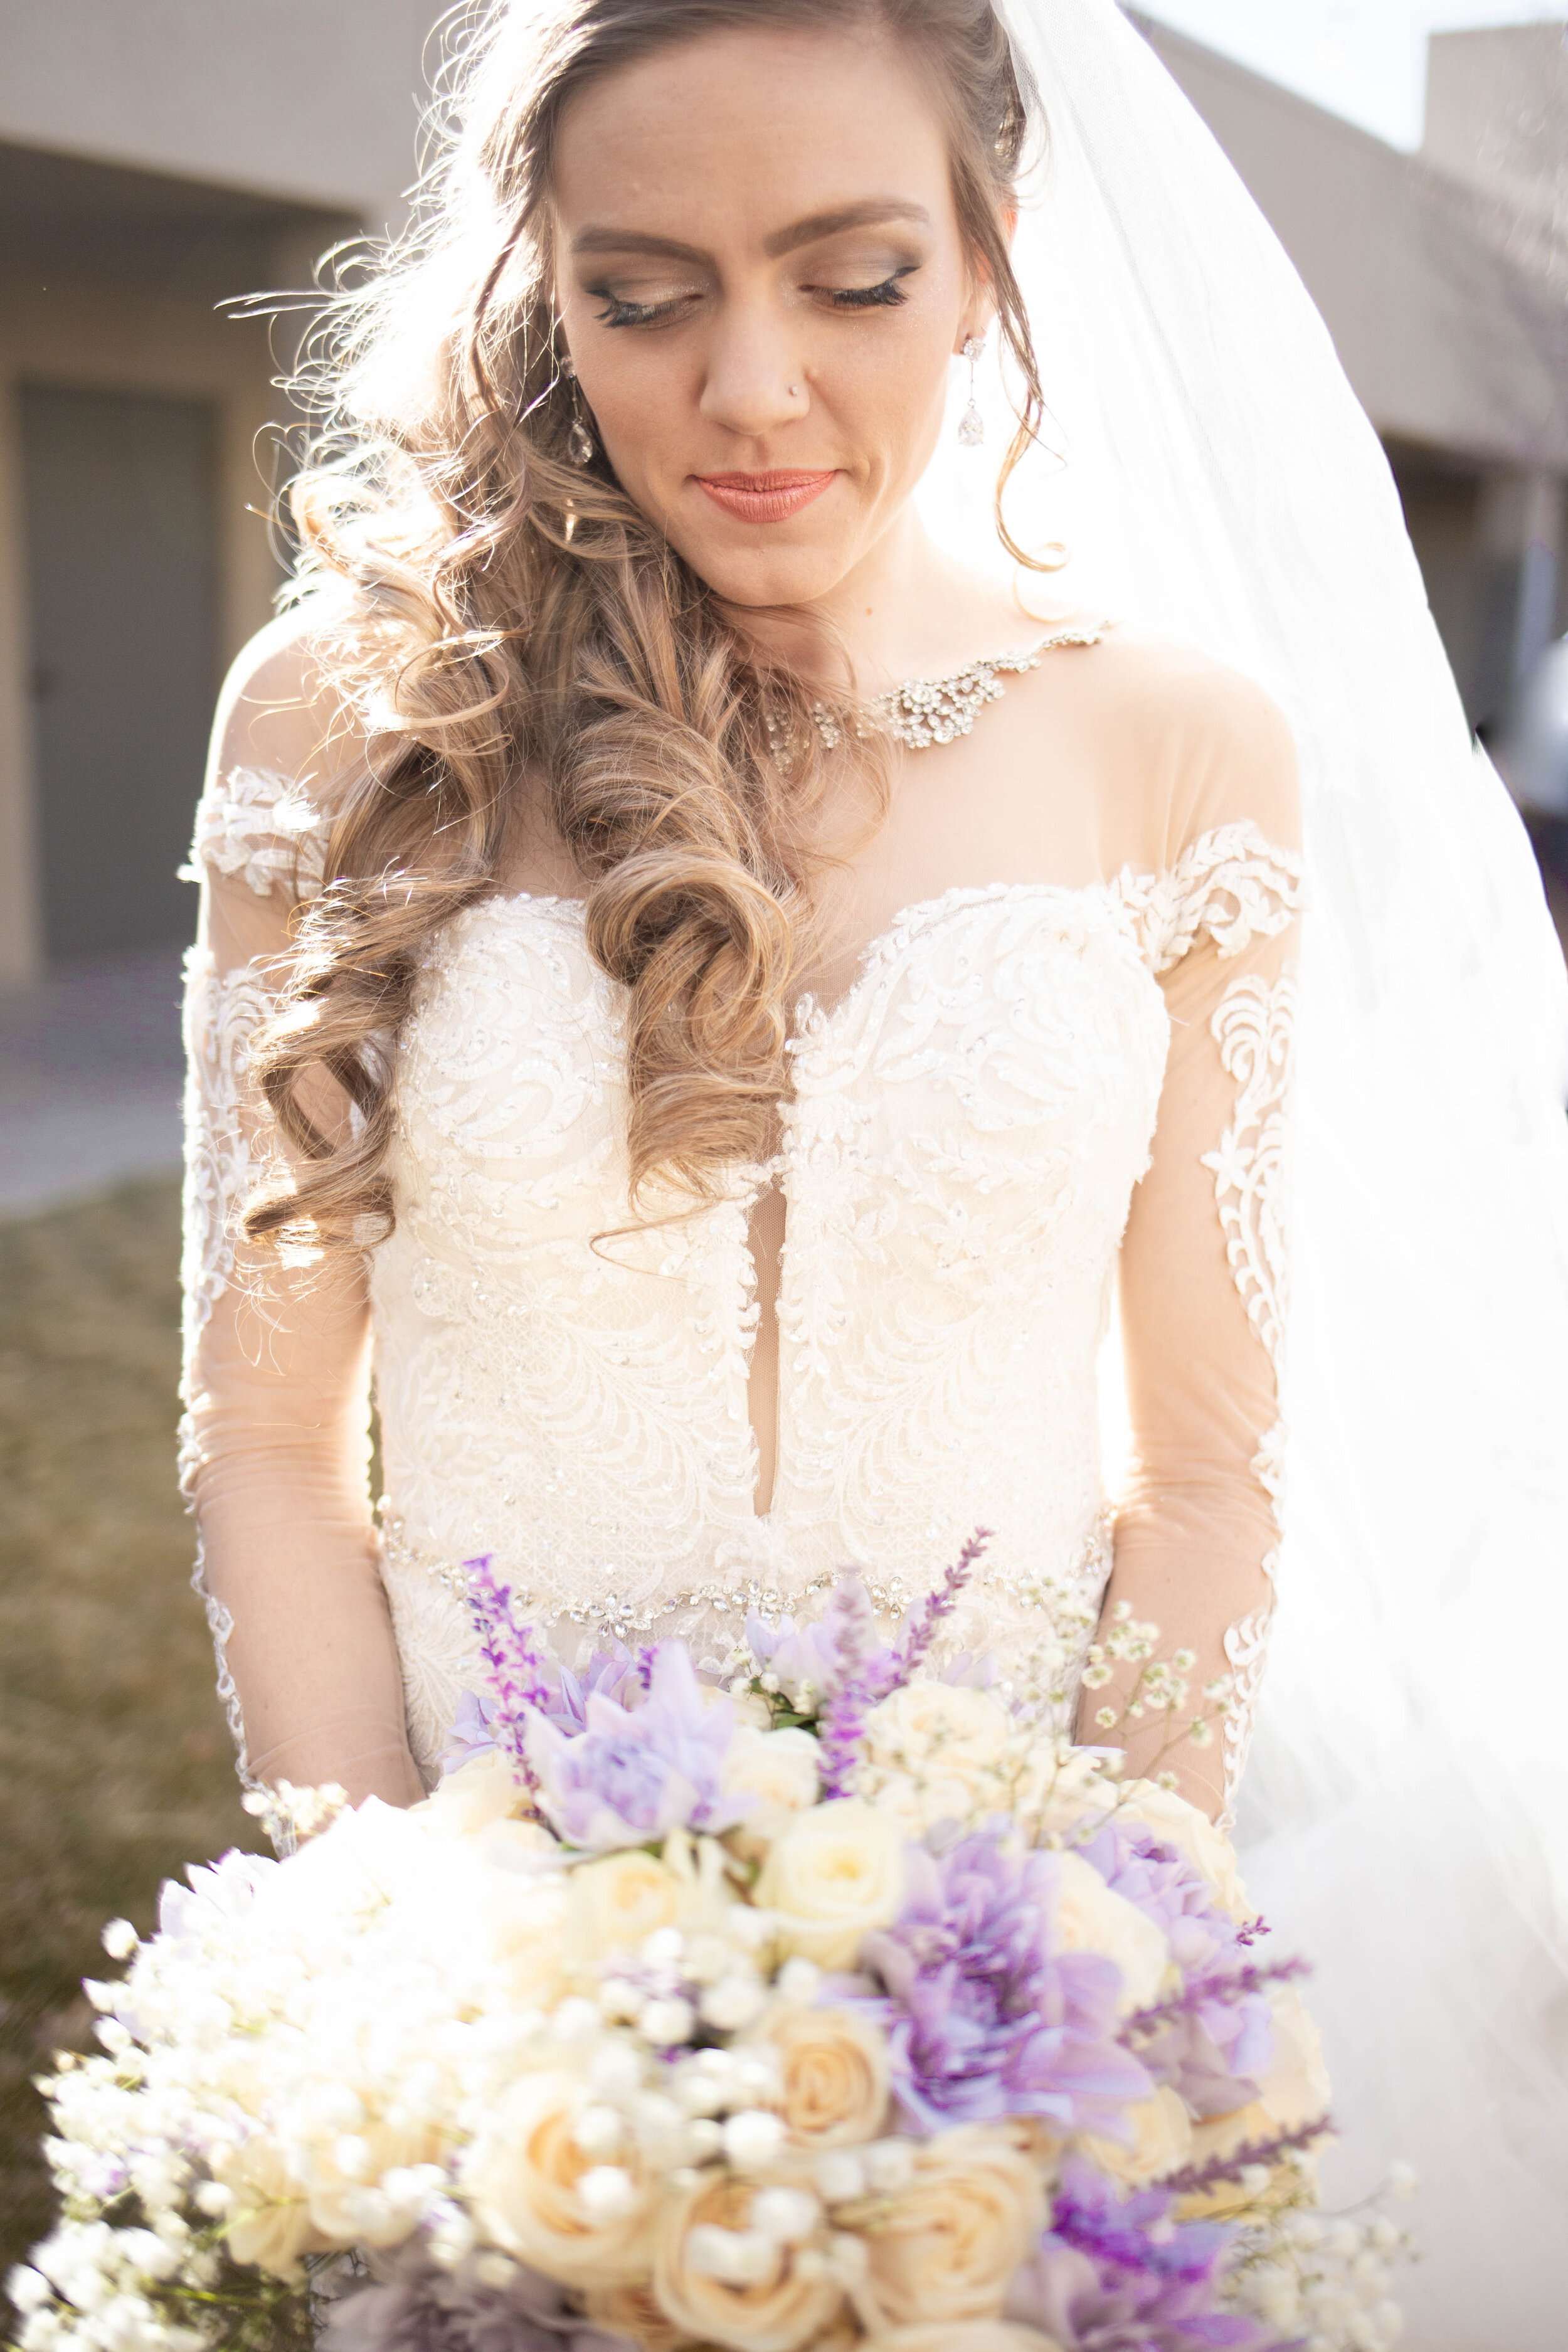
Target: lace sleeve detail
column 222, row 1012
column 1254, row 1027
column 262, row 826
column 1204, row 1276
column 1232, row 883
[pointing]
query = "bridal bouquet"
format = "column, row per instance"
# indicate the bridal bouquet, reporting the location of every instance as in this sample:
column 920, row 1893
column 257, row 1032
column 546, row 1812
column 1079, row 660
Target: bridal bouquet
column 819, row 2000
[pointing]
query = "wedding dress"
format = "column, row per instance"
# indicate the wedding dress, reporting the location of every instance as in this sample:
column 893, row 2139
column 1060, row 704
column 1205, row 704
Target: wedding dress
column 565, row 1388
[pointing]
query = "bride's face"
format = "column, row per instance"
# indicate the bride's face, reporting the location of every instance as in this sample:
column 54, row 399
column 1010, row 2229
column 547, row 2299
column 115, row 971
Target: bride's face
column 762, row 280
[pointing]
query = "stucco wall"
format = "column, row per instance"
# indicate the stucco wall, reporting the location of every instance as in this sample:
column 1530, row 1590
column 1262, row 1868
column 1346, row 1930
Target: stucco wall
column 314, row 99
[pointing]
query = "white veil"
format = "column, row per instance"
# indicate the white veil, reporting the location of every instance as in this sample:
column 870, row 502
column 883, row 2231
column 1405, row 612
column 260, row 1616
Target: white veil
column 1405, row 1819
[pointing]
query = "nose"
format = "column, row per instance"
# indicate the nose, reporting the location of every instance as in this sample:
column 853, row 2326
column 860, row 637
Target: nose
column 755, row 379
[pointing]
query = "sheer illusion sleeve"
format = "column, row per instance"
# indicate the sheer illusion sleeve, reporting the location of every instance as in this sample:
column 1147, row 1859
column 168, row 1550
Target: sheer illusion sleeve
column 275, row 1449
column 1203, row 1271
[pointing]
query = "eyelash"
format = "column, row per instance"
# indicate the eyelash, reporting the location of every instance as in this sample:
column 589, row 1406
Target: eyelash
column 886, row 295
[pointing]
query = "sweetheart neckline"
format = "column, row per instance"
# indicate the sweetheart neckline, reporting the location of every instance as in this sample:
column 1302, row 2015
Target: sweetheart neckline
column 878, row 948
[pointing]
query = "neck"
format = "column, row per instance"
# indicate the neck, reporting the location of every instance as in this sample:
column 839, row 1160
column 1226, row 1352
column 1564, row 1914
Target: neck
column 906, row 609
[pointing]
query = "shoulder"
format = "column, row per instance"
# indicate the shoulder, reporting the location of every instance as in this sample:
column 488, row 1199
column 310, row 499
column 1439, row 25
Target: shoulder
column 279, row 711
column 1181, row 746
column 285, row 747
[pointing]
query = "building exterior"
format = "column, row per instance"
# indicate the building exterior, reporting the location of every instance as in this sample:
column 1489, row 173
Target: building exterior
column 1443, row 277
column 161, row 158
column 157, row 159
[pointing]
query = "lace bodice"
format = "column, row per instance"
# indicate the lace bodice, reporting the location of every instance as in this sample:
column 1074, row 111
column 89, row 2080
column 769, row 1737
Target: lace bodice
column 567, row 1390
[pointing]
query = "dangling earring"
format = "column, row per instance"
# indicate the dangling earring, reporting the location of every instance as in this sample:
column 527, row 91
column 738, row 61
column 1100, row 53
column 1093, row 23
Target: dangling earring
column 972, row 425
column 579, row 440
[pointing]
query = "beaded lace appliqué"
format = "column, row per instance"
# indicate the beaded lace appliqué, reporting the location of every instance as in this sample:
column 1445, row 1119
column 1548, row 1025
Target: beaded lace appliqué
column 262, row 826
column 923, row 711
column 1254, row 1027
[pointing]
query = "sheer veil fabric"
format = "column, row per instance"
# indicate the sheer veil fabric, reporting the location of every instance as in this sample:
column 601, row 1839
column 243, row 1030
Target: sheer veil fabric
column 1404, row 1815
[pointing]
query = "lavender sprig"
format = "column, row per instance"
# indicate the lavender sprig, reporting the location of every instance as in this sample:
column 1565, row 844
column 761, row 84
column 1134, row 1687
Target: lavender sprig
column 864, row 1680
column 1232, row 1985
column 938, row 1604
column 1194, row 2178
column 515, row 1669
column 841, row 1721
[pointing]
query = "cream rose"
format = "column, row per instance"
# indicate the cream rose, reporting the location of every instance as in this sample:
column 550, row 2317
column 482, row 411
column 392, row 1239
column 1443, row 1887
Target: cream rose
column 1294, row 2091
column 484, row 1789
column 790, row 2304
column 1161, row 2142
column 976, row 2336
column 269, row 2222
column 523, row 2173
column 833, row 2068
column 934, row 1753
column 779, row 1770
column 525, row 1921
column 945, row 2249
column 1088, row 1917
column 931, row 1726
column 616, row 1902
column 1194, row 1835
column 633, row 2312
column 837, row 1873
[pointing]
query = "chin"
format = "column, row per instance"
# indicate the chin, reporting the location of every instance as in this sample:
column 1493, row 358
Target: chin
column 763, row 576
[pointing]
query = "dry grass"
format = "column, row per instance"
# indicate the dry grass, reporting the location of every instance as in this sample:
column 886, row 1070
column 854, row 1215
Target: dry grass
column 115, row 1765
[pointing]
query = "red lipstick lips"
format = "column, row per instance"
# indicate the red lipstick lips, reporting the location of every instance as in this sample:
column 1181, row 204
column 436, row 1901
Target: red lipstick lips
column 764, row 498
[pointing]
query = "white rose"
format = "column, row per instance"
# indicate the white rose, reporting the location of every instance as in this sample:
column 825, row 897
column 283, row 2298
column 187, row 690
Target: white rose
column 484, row 1789
column 616, row 1902
column 269, row 2222
column 1161, row 2141
column 938, row 1731
column 780, row 1771
column 834, row 1875
column 522, row 2173
column 934, row 1753
column 1088, row 1918
column 1174, row 1821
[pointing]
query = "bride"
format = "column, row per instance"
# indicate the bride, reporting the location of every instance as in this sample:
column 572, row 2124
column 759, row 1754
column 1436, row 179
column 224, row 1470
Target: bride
column 714, row 970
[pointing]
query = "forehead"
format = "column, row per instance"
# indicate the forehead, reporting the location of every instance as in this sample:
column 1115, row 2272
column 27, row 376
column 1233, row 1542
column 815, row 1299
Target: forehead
column 735, row 134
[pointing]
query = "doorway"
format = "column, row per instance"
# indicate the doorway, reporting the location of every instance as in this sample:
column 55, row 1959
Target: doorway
column 120, row 519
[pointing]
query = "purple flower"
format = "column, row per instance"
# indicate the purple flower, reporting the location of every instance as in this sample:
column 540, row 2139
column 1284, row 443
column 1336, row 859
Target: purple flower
column 1218, row 2038
column 635, row 1773
column 413, row 2306
column 1118, row 2275
column 560, row 1696
column 796, row 1654
column 983, row 2019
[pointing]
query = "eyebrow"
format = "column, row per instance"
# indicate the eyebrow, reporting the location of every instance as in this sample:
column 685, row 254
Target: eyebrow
column 871, row 213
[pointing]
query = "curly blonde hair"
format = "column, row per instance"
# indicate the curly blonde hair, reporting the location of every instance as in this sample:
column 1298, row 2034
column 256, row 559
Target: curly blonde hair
column 503, row 610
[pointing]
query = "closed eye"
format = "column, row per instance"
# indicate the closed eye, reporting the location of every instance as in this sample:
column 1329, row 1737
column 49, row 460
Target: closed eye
column 882, row 296
column 620, row 312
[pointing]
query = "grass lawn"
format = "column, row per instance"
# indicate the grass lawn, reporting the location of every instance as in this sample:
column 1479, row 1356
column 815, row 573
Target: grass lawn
column 115, row 1764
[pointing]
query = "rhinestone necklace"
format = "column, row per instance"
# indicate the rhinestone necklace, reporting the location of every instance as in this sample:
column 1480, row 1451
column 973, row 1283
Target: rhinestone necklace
column 923, row 711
